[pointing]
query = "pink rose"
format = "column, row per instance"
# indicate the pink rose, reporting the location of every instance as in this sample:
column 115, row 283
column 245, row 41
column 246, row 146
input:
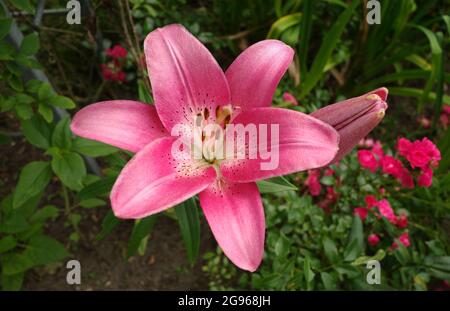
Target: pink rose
column 402, row 221
column 386, row 210
column 425, row 178
column 391, row 166
column 406, row 179
column 367, row 160
column 313, row 182
column 361, row 212
column 371, row 201
column 373, row 239
column 403, row 146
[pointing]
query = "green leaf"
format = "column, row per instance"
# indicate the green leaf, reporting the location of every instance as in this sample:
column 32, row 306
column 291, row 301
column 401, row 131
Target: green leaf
column 355, row 243
column 70, row 169
column 327, row 180
column 328, row 281
column 7, row 243
column 45, row 92
column 141, row 229
column 189, row 221
column 5, row 26
column 282, row 24
column 6, row 51
column 91, row 203
column 42, row 214
column 24, row 111
column 15, row 223
column 15, row 263
column 33, row 179
column 62, row 135
column 326, row 49
column 275, row 184
column 330, row 250
column 24, row 5
column 37, row 132
column 144, row 95
column 62, row 102
column 380, row 254
column 308, row 273
column 97, row 188
column 108, row 224
column 12, row 282
column 42, row 250
column 92, row 148
column 46, row 111
column 30, row 44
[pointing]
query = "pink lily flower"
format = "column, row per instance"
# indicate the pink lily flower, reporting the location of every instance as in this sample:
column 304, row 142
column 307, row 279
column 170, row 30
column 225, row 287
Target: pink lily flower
column 189, row 85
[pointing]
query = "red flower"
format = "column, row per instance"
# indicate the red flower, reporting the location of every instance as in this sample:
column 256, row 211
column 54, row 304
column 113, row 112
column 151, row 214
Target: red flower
column 361, row 212
column 329, row 172
column 422, row 152
column 402, row 221
column 386, row 210
column 373, row 239
column 404, row 239
column 426, row 177
column 313, row 182
column 377, row 149
column 367, row 160
column 371, row 201
column 331, row 194
column 406, row 179
column 391, row 166
column 404, row 146
column 117, row 52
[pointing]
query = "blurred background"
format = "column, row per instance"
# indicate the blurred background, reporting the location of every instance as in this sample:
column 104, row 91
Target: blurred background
column 323, row 226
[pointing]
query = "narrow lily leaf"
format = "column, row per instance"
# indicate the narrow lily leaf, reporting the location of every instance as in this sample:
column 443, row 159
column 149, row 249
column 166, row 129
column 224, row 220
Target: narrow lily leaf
column 435, row 64
column 275, row 184
column 109, row 223
column 355, row 243
column 329, row 43
column 189, row 221
column 141, row 229
column 96, row 188
column 282, row 24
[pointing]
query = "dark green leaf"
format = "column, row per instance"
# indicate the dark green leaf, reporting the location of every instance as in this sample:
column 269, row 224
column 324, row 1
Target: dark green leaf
column 30, row 44
column 33, row 179
column 70, row 169
column 42, row 250
column 141, row 230
column 188, row 219
column 62, row 135
column 108, row 224
column 7, row 243
column 37, row 132
column 92, row 148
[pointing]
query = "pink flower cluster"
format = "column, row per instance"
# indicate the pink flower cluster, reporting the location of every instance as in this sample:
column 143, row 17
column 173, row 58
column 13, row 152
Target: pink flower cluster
column 382, row 208
column 315, row 187
column 422, row 154
column 113, row 70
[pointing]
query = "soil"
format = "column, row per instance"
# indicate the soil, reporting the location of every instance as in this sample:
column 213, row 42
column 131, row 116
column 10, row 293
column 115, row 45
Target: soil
column 164, row 266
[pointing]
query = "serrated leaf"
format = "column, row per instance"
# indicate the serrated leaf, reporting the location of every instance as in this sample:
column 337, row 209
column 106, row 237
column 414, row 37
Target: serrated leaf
column 62, row 135
column 7, row 243
column 108, row 224
column 92, row 148
column 15, row 263
column 30, row 44
column 70, row 169
column 33, row 179
column 42, row 250
column 62, row 102
column 37, row 132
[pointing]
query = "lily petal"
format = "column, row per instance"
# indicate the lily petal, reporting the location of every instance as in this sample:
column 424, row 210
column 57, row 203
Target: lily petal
column 154, row 180
column 126, row 124
column 303, row 143
column 184, row 75
column 256, row 72
column 236, row 217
